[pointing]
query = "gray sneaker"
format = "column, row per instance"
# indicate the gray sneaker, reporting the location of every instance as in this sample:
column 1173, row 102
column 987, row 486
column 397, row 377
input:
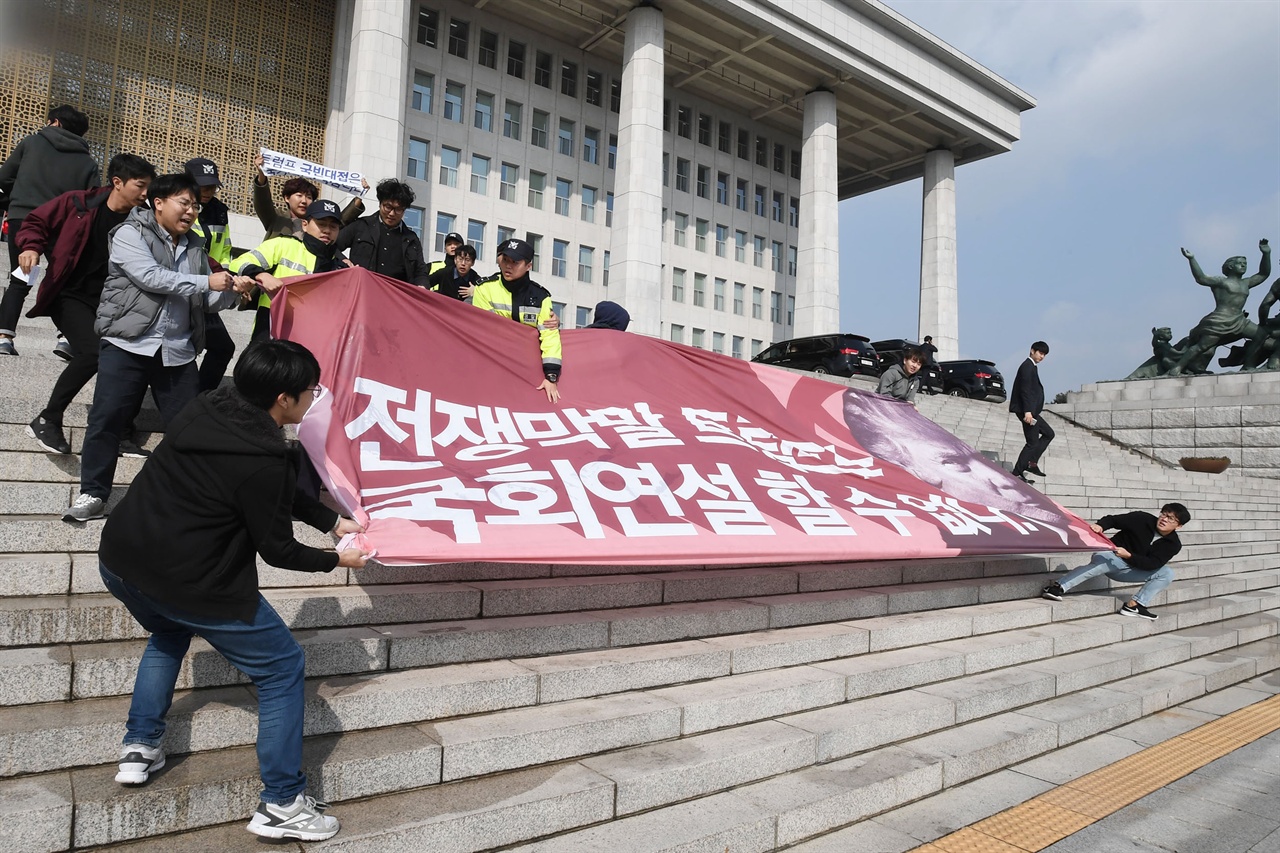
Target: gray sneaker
column 85, row 508
column 137, row 762
column 62, row 349
column 303, row 819
column 7, row 347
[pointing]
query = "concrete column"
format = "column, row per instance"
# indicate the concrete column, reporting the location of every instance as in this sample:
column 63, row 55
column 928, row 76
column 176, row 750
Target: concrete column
column 369, row 87
column 818, row 261
column 939, row 289
column 635, row 269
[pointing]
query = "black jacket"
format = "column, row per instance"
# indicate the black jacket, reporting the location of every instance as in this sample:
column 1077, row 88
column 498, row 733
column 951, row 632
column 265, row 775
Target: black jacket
column 1027, row 394
column 360, row 241
column 219, row 488
column 446, row 283
column 1137, row 530
column 45, row 165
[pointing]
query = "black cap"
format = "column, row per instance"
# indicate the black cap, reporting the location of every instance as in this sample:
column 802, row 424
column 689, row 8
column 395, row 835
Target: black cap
column 516, row 250
column 324, row 209
column 453, row 237
column 204, row 171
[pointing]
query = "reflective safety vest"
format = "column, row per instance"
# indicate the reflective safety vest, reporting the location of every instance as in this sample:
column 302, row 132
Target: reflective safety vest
column 217, row 240
column 492, row 295
column 283, row 257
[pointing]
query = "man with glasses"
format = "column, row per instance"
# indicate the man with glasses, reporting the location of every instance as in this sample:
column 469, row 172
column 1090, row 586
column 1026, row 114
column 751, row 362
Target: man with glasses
column 151, row 317
column 382, row 243
column 1144, row 546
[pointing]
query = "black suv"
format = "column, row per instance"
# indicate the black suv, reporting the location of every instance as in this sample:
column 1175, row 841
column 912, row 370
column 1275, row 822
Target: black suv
column 841, row 355
column 893, row 350
column 973, row 377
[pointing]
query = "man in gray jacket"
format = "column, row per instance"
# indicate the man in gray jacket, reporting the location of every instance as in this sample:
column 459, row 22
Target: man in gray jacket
column 41, row 167
column 151, row 319
column 903, row 380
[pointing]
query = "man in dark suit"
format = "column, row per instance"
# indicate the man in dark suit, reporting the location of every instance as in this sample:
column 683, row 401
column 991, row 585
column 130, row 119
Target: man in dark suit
column 1026, row 402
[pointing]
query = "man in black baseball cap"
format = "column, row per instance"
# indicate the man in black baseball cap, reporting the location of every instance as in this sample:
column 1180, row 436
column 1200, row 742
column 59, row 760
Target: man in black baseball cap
column 452, row 241
column 529, row 303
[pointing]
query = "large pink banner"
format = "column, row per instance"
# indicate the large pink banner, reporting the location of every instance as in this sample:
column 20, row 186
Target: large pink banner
column 435, row 436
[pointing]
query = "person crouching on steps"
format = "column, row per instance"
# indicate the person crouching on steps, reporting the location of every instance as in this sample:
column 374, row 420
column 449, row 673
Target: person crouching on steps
column 1144, row 546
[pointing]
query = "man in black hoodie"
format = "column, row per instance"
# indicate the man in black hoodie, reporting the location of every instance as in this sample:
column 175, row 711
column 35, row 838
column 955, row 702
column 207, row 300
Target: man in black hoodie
column 611, row 315
column 41, row 167
column 1144, row 546
column 179, row 553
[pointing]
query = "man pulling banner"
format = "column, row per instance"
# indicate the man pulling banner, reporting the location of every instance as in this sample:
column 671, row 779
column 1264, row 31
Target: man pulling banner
column 277, row 163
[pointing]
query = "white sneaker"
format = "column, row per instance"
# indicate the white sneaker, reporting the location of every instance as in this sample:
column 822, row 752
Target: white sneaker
column 302, row 819
column 86, row 508
column 137, row 762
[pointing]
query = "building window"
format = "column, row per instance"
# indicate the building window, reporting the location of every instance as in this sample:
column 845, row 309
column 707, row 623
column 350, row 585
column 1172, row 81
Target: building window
column 704, row 129
column 613, row 151
column 515, row 59
column 569, row 78
column 583, row 318
column 700, row 228
column 792, row 255
column 535, row 240
column 479, row 174
column 682, row 174
column 677, row 285
column 445, row 223
column 604, row 270
column 756, row 346
column 740, row 246
column 666, row 115
column 722, row 188
column 684, row 122
column 559, row 258
column 484, row 111
column 722, row 239
column 791, row 310
column 541, row 126
column 564, row 189
column 557, row 308
column 717, row 342
column 423, row 84
column 757, row 304
column 795, row 163
column 740, row 195
column 510, row 177
column 566, row 137
column 458, row 34
column 777, row 207
column 677, row 333
column 737, row 346
column 475, row 236
column 537, row 184
column 419, row 158
column 591, row 145
column 511, row 120
column 586, row 258
column 793, row 212
column 762, row 151
column 588, row 212
column 542, row 69
column 775, row 307
column 682, row 229
column 488, row 49
column 717, row 299
column 413, row 218
column 428, row 26
column 454, row 95
column 776, row 253
column 608, row 210
column 759, row 201
column 779, row 158
column 615, row 95
column 704, row 179
column 744, row 144
column 699, row 289
column 757, row 257
column 449, row 160
column 666, row 169
column 739, row 297
column 595, row 88
column 505, row 233
column 697, row 337
column 724, row 137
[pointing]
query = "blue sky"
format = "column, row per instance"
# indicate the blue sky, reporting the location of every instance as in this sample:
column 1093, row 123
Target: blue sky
column 1157, row 126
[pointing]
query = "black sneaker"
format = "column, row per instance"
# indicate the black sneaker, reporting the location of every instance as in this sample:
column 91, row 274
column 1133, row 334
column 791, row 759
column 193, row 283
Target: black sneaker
column 1139, row 611
column 1053, row 592
column 133, row 450
column 48, row 435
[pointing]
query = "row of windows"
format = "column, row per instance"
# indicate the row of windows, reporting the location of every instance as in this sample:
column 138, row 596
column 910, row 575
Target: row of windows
column 720, row 294
column 698, row 338
column 702, row 230
column 727, row 142
column 744, row 196
column 544, row 63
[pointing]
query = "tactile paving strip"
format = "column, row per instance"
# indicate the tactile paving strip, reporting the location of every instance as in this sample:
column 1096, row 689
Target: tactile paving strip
column 1054, row 815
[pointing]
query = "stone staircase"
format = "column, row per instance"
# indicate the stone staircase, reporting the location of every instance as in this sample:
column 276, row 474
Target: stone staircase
column 472, row 707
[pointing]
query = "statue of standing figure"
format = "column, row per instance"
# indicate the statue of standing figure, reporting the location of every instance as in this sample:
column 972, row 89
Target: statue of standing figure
column 1227, row 322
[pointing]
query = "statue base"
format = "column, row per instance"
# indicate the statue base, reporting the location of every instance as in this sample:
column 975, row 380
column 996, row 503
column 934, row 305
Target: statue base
column 1227, row 414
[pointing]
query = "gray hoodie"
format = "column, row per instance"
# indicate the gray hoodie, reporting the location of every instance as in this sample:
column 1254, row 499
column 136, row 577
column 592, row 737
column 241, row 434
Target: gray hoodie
column 45, row 165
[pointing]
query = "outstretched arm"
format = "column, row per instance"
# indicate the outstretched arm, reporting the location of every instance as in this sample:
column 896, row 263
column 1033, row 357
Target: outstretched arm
column 1264, row 266
column 1196, row 272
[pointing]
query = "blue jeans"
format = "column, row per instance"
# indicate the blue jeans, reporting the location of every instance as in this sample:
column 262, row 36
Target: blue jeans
column 262, row 649
column 1110, row 563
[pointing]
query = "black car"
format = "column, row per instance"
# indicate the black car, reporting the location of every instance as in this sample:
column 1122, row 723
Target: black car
column 973, row 377
column 840, row 355
column 893, row 350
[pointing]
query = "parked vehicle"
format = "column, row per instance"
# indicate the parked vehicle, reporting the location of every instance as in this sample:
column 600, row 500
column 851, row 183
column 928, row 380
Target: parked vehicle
column 839, row 355
column 973, row 377
column 893, row 350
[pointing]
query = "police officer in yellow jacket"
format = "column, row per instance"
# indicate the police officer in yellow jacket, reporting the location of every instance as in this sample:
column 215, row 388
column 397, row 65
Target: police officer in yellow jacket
column 283, row 257
column 511, row 293
column 211, row 226
column 452, row 241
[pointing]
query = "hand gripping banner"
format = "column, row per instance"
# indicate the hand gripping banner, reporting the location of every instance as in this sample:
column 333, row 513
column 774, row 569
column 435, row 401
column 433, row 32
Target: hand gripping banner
column 434, row 435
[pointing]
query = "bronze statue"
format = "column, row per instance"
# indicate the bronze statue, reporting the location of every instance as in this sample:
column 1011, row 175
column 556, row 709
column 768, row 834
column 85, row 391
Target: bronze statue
column 1165, row 355
column 1227, row 322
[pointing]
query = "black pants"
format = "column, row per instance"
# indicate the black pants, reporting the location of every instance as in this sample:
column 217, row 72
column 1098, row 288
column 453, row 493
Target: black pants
column 16, row 293
column 261, row 324
column 218, row 351
column 1038, row 436
column 123, row 379
column 75, row 320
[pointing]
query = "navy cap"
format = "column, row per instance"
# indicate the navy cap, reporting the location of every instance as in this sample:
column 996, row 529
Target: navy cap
column 516, row 250
column 453, row 237
column 204, row 171
column 324, row 209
